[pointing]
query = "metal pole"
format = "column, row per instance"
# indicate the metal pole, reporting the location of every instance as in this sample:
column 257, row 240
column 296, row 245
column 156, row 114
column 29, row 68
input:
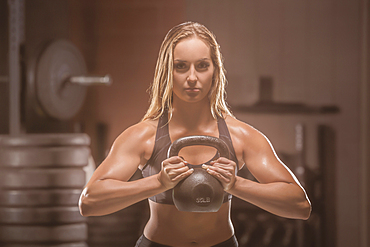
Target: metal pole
column 91, row 80
column 16, row 39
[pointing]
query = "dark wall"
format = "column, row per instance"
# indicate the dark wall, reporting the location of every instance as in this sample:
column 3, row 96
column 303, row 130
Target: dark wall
column 121, row 38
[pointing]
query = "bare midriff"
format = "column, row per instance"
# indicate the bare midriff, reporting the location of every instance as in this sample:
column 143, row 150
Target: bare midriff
column 171, row 227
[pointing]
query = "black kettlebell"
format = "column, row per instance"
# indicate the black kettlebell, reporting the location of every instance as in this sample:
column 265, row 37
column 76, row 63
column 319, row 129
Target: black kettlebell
column 200, row 192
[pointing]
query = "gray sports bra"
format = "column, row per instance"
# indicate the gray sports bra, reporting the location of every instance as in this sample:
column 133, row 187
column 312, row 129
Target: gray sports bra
column 163, row 142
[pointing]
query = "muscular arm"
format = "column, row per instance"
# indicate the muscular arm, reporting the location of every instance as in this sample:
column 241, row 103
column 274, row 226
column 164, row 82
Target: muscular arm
column 108, row 190
column 278, row 191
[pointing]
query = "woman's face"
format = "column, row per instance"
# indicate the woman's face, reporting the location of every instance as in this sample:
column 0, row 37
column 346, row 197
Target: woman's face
column 192, row 70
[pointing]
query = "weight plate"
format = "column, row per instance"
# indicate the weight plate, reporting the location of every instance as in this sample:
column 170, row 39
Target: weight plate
column 65, row 156
column 82, row 244
column 54, row 139
column 59, row 61
column 41, row 216
column 40, row 198
column 43, row 234
column 42, row 178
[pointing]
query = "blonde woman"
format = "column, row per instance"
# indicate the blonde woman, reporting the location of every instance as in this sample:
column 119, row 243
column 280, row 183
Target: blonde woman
column 188, row 98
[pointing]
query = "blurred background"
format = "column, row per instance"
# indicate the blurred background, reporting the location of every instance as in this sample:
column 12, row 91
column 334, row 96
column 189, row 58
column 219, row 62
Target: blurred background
column 297, row 71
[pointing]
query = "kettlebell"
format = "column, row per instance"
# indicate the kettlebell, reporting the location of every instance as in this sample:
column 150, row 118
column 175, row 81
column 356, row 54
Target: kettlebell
column 199, row 192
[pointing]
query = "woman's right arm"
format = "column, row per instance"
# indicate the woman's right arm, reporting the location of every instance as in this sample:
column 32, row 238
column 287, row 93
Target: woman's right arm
column 109, row 190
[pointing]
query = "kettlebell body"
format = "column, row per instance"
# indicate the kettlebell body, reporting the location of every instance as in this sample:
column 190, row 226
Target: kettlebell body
column 199, row 192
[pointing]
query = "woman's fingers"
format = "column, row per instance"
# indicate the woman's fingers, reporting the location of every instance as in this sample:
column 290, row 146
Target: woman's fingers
column 224, row 170
column 173, row 173
column 174, row 169
column 218, row 172
column 183, row 175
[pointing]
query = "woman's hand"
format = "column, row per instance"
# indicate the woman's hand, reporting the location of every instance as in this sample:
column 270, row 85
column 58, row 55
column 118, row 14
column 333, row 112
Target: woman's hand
column 173, row 170
column 224, row 170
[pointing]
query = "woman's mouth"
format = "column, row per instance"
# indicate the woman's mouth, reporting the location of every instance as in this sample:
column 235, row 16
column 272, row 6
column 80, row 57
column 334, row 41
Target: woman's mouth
column 192, row 90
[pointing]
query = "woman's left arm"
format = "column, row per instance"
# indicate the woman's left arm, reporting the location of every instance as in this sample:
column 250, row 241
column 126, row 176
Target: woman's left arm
column 277, row 191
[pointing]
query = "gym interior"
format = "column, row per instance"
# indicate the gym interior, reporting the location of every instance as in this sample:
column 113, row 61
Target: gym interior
column 296, row 70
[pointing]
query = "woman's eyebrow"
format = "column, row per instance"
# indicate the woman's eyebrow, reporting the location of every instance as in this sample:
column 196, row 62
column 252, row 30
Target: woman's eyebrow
column 202, row 59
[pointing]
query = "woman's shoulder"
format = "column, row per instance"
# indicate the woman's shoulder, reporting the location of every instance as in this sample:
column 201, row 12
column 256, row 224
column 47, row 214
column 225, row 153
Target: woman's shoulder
column 239, row 127
column 244, row 132
column 137, row 139
column 142, row 132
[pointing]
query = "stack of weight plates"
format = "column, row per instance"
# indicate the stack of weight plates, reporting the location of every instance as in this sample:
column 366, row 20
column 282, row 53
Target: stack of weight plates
column 41, row 177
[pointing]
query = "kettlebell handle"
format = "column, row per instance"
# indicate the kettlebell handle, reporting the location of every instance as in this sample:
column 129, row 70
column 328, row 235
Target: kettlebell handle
column 211, row 141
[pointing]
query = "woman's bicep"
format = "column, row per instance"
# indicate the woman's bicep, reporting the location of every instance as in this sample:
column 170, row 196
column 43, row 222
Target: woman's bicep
column 124, row 158
column 262, row 161
column 119, row 166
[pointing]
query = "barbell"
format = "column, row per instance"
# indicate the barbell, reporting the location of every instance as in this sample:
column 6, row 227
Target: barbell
column 60, row 79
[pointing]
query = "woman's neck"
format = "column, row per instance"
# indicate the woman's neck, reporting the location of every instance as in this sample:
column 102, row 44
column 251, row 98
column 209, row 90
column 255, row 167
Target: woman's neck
column 192, row 116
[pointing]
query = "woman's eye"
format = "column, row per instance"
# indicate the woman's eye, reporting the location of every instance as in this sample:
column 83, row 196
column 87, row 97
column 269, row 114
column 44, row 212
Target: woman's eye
column 180, row 66
column 203, row 65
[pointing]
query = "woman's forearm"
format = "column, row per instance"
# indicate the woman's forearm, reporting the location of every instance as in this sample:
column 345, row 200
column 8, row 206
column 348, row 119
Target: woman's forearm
column 280, row 198
column 108, row 195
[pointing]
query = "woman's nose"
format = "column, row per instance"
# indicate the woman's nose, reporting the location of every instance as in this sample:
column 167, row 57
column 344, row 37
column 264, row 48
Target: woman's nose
column 192, row 77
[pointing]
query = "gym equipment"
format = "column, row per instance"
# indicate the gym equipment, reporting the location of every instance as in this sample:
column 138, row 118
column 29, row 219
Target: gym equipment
column 43, row 234
column 45, row 156
column 61, row 79
column 41, row 140
column 41, row 178
column 41, row 175
column 39, row 197
column 78, row 244
column 39, row 150
column 200, row 192
column 40, row 215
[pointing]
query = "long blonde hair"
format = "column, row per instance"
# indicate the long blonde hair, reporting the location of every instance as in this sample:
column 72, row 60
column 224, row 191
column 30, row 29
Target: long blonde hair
column 161, row 88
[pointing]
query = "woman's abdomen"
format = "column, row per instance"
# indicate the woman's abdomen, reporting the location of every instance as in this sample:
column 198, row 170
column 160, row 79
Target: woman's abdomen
column 169, row 226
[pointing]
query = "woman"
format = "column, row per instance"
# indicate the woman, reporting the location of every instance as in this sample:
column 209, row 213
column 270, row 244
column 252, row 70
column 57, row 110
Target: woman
column 187, row 98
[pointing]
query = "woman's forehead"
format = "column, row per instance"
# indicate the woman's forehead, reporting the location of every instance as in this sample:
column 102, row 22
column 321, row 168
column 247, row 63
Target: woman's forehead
column 191, row 47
